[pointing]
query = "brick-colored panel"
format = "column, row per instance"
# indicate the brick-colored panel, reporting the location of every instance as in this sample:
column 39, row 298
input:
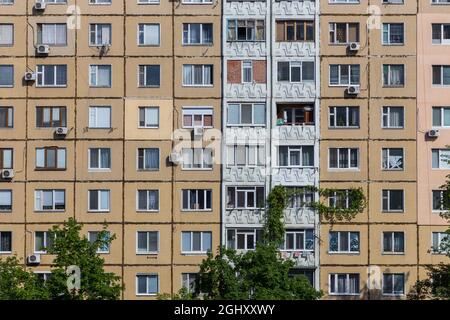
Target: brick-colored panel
column 234, row 71
column 259, row 71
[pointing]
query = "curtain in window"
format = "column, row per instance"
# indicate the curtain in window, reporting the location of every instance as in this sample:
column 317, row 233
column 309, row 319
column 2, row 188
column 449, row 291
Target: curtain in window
column 308, row 156
column 47, row 203
column 207, row 74
column 151, row 158
column 48, row 33
column 151, row 34
column 396, row 75
column 104, row 199
column 61, row 75
column 6, row 34
column 6, row 75
column 38, row 241
column 5, row 241
column 153, row 200
column 60, row 199
column 5, row 199
column 398, row 242
column 206, row 241
column 233, row 114
column 186, row 241
column 341, row 33
column 105, row 34
column 105, row 158
column 61, row 158
column 104, row 76
column 387, row 241
column 353, row 284
column 187, row 74
column 195, row 33
column 198, row 74
column 342, row 283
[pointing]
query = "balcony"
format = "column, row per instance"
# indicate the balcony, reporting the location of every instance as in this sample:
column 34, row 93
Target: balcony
column 246, row 90
column 294, row 8
column 299, row 216
column 245, row 49
column 295, row 122
column 244, row 216
column 294, row 90
column 243, row 135
column 245, row 8
column 294, row 176
column 245, row 174
column 301, row 258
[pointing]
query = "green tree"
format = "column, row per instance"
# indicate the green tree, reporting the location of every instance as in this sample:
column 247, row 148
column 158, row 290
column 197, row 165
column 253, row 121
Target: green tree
column 72, row 249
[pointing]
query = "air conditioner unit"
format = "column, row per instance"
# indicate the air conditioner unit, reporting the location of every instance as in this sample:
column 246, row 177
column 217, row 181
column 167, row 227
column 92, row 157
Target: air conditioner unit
column 39, row 5
column 7, row 173
column 43, row 49
column 175, row 158
column 61, row 131
column 33, row 259
column 353, row 89
column 30, row 76
column 354, row 46
column 198, row 131
column 433, row 133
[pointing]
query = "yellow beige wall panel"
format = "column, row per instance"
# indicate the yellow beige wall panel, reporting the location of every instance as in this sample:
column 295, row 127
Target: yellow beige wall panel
column 409, row 257
column 426, row 255
column 114, row 256
column 165, row 206
column 376, row 214
column 19, row 89
column 19, row 7
column 19, row 158
column 17, row 214
column 407, row 49
column 17, row 241
column 407, row 7
column 375, row 113
column 117, row 113
column 83, row 46
column 117, row 78
column 213, row 8
column 377, row 89
column 60, row 8
column 164, row 90
column 343, row 174
column 51, row 92
column 165, row 29
column 178, row 274
column 428, row 7
column 114, row 214
column 161, row 8
column 197, row 50
column 340, row 8
column 83, row 171
column 163, row 256
column 34, row 174
column 46, row 259
column 20, row 30
column 376, row 172
column 193, row 259
column 131, row 166
column 187, row 216
column 328, row 258
column 332, row 91
column 129, row 278
column 115, row 7
column 162, row 132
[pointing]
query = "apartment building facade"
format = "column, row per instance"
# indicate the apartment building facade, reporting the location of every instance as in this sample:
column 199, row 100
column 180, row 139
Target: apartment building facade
column 125, row 81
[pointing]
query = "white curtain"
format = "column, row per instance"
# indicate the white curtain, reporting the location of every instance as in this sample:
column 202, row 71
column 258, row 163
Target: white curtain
column 6, row 34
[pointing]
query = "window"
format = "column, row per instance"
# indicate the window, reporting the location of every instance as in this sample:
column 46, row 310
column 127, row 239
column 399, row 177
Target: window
column 441, row 75
column 343, row 158
column 296, row 240
column 440, row 32
column 393, row 242
column 51, row 75
column 246, row 114
column 344, row 284
column 148, row 117
column 344, row 242
column 294, row 30
column 196, row 200
column 437, row 242
column 6, row 34
column 295, row 114
column 393, row 284
column 247, row 71
column 296, row 156
column 2, row 2
column 148, row 159
column 197, row 33
column 43, row 240
column 99, row 158
column 344, row 74
column 246, row 30
column 189, row 281
column 100, row 117
column 5, row 241
column 6, row 158
column 301, row 198
column 243, row 239
column 393, row 33
column 100, row 34
column 393, row 75
column 5, row 200
column 99, row 200
column 147, row 242
column 149, row 76
column 50, row 200
column 438, row 202
column 440, row 159
column 94, row 236
column 43, row 276
column 148, row 1
column 196, row 241
column 198, row 75
column 51, row 117
column 344, row 117
column 197, row 158
column 6, row 76
column 197, row 117
column 52, row 34
column 393, row 200
column 149, row 34
column 147, row 284
column 441, row 117
column 246, row 155
column 6, row 117
column 245, row 197
column 295, row 71
column 343, row 33
column 392, row 159
column 196, row 1
column 392, row 118
column 100, row 1
column 340, row 199
column 148, row 200
column 100, row 76
column 51, row 158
